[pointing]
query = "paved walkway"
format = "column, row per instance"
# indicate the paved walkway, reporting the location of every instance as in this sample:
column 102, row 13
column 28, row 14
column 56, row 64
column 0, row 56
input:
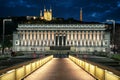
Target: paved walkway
column 60, row 69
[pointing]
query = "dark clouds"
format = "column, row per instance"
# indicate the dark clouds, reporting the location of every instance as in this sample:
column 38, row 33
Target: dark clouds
column 93, row 10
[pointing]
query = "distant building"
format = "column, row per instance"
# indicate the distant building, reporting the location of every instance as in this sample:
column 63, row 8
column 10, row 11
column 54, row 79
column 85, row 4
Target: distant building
column 31, row 17
column 47, row 14
column 71, row 37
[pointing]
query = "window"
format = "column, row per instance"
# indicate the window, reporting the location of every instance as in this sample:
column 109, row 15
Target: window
column 70, row 36
column 99, row 36
column 21, row 36
column 36, row 35
column 88, row 36
column 67, row 42
column 28, row 36
column 47, row 36
column 79, row 43
column 71, row 43
column 90, row 43
column 50, row 36
column 77, row 36
column 32, row 36
column 84, row 36
column 16, row 42
column 86, row 43
column 103, row 36
column 40, row 36
column 82, row 43
column 52, row 42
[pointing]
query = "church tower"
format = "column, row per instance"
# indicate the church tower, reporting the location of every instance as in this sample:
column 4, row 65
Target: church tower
column 41, row 14
column 81, row 15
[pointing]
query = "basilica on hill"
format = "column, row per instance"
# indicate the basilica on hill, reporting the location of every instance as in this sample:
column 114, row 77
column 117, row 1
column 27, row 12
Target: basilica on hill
column 61, row 37
column 46, row 14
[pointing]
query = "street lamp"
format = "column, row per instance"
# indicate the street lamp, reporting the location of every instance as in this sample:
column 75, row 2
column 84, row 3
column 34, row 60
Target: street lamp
column 4, row 20
column 113, row 39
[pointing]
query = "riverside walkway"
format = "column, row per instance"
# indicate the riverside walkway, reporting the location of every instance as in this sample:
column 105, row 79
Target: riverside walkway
column 60, row 69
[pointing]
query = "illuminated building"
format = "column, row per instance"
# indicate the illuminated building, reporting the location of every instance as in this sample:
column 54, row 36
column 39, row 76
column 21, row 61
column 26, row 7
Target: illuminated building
column 47, row 14
column 73, row 37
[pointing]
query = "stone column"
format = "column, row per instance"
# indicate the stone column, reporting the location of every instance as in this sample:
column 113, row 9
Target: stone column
column 88, row 38
column 79, row 35
column 102, row 41
column 81, row 43
column 75, row 39
column 58, row 39
column 62, row 40
column 80, row 38
column 82, row 35
column 101, row 35
column 90, row 35
column 45, row 39
column 73, row 35
column 30, row 37
column 93, row 38
column 54, row 38
column 41, row 38
column 66, row 38
column 25, row 39
column 23, row 35
column 49, row 38
column 26, row 35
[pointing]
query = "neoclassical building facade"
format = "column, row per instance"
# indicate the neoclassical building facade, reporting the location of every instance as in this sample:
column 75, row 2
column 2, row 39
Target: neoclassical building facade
column 72, row 37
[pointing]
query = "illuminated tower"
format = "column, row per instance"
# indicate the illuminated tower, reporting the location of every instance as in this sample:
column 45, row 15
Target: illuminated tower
column 41, row 16
column 40, row 13
column 50, row 13
column 81, row 15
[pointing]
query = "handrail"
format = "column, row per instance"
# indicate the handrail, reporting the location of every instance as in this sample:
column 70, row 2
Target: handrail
column 20, row 71
column 98, row 71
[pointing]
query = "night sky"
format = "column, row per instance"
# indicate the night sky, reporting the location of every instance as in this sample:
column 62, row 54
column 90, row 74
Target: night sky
column 93, row 10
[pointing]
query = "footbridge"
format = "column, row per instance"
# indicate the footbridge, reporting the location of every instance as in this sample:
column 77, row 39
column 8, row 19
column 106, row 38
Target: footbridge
column 51, row 68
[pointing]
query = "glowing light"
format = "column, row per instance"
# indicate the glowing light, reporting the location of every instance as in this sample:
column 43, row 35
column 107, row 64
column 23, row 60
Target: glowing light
column 10, row 71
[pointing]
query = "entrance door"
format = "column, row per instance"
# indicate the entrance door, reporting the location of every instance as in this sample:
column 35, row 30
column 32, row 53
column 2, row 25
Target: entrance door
column 60, row 40
column 56, row 41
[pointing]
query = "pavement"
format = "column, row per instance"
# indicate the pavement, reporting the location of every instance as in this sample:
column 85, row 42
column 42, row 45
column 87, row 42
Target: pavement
column 60, row 69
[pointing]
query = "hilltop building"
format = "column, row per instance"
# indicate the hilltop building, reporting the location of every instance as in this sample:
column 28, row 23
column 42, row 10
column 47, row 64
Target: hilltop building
column 46, row 14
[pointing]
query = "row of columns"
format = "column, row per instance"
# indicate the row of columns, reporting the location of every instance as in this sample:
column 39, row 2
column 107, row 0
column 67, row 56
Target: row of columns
column 81, row 35
column 71, row 38
column 36, row 35
column 69, row 43
column 85, row 35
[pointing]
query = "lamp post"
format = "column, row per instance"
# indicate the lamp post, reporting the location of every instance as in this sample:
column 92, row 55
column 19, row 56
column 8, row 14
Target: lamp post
column 4, row 20
column 113, row 39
